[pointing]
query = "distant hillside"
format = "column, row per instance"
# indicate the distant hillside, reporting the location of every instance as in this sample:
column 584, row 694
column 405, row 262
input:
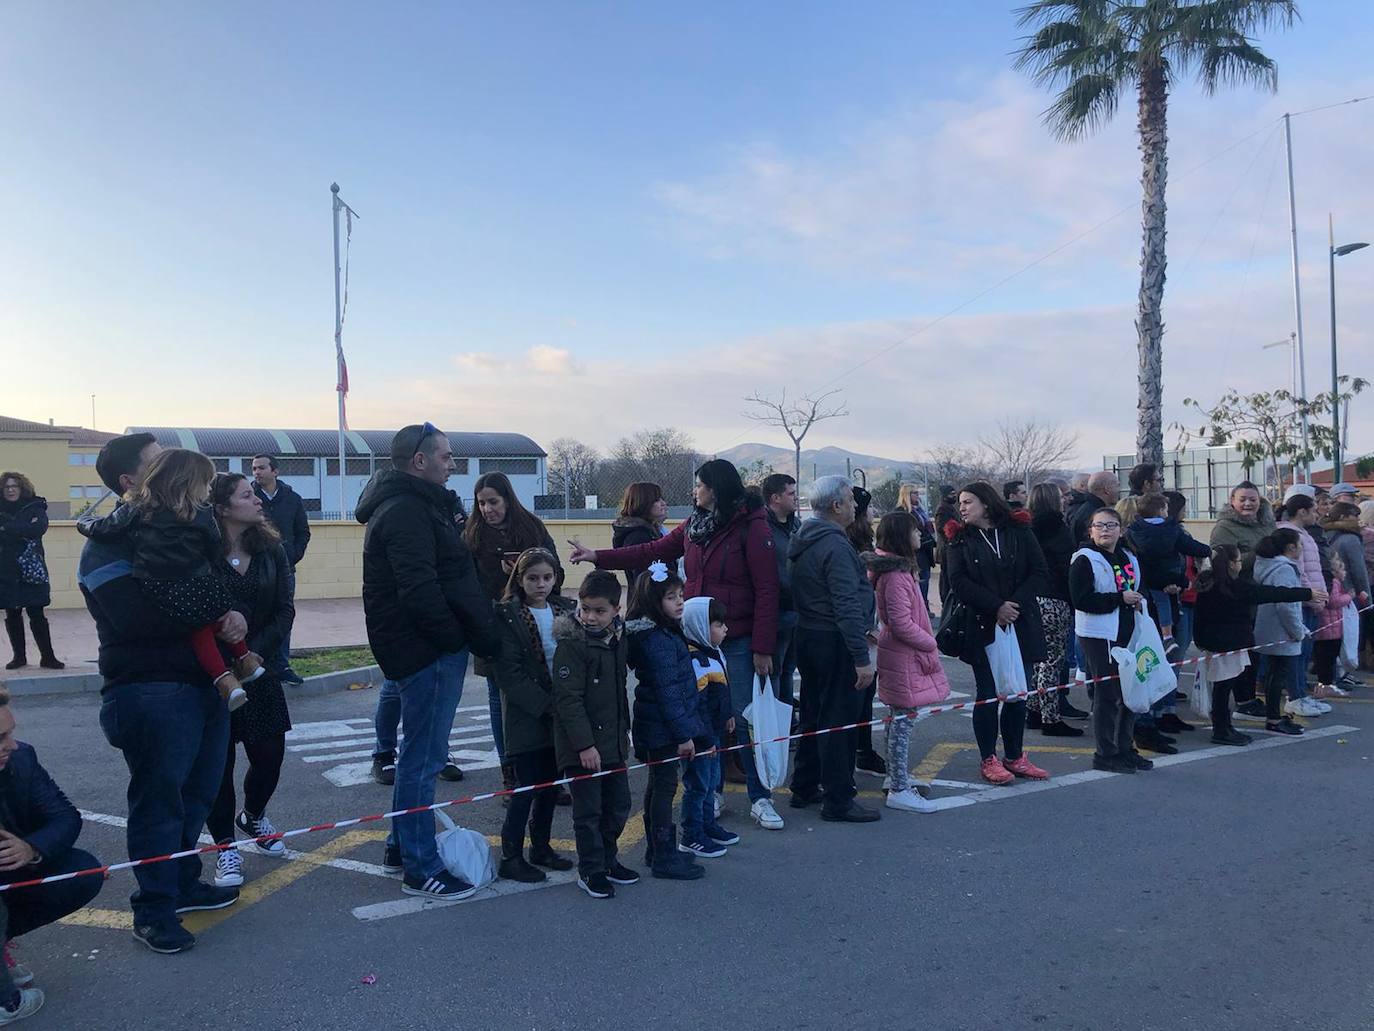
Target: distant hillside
column 826, row 461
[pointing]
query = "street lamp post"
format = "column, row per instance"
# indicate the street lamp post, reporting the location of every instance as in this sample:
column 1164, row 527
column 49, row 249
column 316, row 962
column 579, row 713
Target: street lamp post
column 1334, row 252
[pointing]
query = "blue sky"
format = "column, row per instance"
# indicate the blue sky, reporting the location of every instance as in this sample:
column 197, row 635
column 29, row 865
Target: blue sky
column 661, row 207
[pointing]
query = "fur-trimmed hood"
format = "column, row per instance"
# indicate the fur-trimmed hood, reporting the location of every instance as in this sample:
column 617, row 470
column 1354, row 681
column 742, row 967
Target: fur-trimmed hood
column 879, row 562
column 630, row 522
column 1350, row 524
column 640, row 625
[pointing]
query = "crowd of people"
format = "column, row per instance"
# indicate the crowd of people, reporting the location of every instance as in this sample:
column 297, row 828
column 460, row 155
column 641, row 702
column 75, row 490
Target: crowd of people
column 191, row 584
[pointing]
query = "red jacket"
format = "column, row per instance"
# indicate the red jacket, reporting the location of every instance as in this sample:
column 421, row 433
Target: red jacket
column 737, row 566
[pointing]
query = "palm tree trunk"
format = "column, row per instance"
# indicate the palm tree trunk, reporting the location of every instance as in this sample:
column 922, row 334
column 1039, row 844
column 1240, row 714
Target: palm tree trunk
column 1149, row 324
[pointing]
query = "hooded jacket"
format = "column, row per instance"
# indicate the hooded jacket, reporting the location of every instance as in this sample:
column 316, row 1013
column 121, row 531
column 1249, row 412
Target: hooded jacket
column 1309, row 564
column 665, row 710
column 629, row 531
column 591, row 708
column 1078, row 513
column 830, row 587
column 982, row 580
column 421, row 598
column 737, row 566
column 708, row 665
column 1057, row 544
column 522, row 675
column 1225, row 617
column 1279, row 629
column 22, row 527
column 1329, row 625
column 1343, row 536
column 1161, row 548
column 909, row 671
column 288, row 515
column 1232, row 528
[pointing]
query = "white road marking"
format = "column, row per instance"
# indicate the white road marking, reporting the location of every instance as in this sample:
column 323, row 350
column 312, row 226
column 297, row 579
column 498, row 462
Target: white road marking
column 410, row 904
column 347, row 775
column 1030, row 787
column 352, row 726
column 367, row 752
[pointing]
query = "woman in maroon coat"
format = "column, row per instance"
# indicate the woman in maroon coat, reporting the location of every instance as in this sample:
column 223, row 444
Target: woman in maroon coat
column 727, row 548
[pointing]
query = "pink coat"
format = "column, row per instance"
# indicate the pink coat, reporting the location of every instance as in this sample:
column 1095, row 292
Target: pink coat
column 1329, row 626
column 1310, row 563
column 909, row 670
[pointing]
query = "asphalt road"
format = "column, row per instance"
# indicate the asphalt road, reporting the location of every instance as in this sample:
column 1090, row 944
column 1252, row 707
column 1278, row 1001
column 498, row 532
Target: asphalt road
column 1231, row 890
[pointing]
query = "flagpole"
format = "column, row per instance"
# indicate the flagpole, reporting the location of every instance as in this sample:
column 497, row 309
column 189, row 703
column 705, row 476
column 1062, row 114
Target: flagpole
column 338, row 349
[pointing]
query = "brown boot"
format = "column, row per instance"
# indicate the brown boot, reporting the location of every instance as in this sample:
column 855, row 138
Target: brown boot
column 248, row 667
column 231, row 690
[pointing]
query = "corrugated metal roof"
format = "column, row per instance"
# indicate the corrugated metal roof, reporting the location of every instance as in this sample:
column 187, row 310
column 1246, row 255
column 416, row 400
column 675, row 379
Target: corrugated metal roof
column 325, row 443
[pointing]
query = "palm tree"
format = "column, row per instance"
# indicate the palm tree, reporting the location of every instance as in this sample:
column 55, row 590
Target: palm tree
column 1096, row 49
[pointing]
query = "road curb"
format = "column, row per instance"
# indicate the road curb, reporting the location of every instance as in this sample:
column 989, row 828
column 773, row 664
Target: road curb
column 89, row 683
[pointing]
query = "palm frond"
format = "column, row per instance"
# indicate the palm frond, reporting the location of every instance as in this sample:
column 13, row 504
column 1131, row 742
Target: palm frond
column 1085, row 105
column 1236, row 64
column 1212, row 17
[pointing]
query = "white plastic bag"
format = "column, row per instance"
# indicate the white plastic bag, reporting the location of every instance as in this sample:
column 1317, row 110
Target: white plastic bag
column 769, row 718
column 1200, row 698
column 1008, row 670
column 1146, row 675
column 465, row 853
column 1350, row 637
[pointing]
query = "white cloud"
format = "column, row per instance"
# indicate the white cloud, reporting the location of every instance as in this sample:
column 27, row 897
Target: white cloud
column 540, row 360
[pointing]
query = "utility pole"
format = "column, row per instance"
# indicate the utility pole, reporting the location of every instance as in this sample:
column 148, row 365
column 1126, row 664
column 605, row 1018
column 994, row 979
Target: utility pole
column 1297, row 291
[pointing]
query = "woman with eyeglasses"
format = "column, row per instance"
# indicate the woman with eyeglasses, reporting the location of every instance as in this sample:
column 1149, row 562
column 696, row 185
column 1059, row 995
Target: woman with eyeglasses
column 1104, row 582
column 24, row 585
column 997, row 571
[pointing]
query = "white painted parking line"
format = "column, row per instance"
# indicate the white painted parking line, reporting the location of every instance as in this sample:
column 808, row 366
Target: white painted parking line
column 497, row 889
column 1031, row 787
column 454, row 739
column 356, row 725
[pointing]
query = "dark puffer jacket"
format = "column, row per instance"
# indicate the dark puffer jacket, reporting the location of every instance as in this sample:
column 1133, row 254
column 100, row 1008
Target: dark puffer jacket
column 1057, row 545
column 21, row 526
column 1224, row 619
column 522, row 674
column 591, row 706
column 665, row 710
column 287, row 512
column 629, row 531
column 421, row 597
column 34, row 808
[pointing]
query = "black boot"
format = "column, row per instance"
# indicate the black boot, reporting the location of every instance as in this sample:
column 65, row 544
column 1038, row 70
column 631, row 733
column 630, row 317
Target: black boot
column 671, row 864
column 514, row 867
column 42, row 636
column 14, row 626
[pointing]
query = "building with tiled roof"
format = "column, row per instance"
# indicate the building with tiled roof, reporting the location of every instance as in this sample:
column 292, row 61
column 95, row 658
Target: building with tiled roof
column 60, row 460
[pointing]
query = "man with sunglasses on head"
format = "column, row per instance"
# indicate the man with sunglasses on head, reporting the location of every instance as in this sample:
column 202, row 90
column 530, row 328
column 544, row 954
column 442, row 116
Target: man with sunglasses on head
column 424, row 610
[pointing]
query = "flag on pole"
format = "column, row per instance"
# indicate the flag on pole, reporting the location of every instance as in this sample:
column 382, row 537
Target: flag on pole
column 342, row 386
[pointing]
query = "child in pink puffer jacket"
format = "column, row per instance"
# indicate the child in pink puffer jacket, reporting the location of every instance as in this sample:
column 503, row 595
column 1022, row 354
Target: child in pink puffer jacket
column 909, row 670
column 1326, row 638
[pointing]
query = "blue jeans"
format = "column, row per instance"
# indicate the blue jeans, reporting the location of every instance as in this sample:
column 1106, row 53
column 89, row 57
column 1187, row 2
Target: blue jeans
column 429, row 700
column 739, row 670
column 174, row 738
column 282, row 660
column 1183, row 628
column 700, row 780
column 387, row 719
column 498, row 735
column 1311, row 620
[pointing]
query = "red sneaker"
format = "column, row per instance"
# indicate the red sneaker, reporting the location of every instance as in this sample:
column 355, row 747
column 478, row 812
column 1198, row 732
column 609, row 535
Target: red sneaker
column 994, row 772
column 1023, row 767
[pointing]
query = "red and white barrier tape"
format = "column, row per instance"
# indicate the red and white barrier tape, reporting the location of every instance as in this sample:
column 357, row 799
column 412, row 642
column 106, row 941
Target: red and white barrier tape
column 485, row 796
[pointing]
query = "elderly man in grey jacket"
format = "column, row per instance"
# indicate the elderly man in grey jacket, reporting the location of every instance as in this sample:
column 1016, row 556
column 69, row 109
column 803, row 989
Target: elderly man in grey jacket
column 834, row 603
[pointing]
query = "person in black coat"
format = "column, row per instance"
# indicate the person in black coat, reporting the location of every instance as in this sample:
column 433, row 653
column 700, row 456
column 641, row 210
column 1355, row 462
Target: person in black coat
column 286, row 511
column 38, row 832
column 24, row 583
column 1049, row 702
column 997, row 571
column 642, row 511
column 424, row 608
column 946, row 522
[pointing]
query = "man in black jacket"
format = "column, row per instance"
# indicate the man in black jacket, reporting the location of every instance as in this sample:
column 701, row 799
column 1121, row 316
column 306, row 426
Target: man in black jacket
column 159, row 708
column 424, row 608
column 286, row 510
column 38, row 828
column 780, row 498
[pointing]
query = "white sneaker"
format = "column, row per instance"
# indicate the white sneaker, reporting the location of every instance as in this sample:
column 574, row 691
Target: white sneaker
column 765, row 815
column 910, row 802
column 1322, row 707
column 229, row 869
column 30, row 1002
column 1302, row 707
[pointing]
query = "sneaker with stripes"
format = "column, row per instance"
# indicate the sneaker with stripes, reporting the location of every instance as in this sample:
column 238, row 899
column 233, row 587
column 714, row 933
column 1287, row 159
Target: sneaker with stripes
column 442, row 887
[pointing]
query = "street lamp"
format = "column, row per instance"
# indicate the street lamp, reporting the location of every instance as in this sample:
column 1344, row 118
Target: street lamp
column 1334, row 252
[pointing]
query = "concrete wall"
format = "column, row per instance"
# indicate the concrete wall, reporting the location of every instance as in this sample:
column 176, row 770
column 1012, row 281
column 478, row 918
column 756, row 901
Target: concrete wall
column 333, row 565
column 44, row 461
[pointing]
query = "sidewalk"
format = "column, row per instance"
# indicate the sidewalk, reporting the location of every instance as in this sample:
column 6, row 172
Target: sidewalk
column 320, row 623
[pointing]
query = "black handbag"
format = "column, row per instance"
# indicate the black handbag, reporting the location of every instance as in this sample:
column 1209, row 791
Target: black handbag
column 952, row 637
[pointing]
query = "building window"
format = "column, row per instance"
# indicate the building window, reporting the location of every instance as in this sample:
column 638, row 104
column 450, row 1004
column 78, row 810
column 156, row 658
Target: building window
column 312, row 504
column 511, row 466
column 295, row 467
column 74, row 459
column 76, row 492
column 221, row 464
column 95, row 492
column 355, row 467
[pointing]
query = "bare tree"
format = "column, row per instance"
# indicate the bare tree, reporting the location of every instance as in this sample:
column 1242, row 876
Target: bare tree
column 957, row 464
column 796, row 417
column 1028, row 450
column 664, row 456
column 572, row 469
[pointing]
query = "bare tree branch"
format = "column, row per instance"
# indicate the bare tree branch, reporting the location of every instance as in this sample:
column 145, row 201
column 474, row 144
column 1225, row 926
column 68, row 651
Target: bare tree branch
column 795, row 418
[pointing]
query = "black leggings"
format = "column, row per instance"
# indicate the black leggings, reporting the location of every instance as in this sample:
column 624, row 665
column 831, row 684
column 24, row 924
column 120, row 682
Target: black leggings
column 1222, row 691
column 532, row 807
column 985, row 717
column 264, row 770
column 1324, row 655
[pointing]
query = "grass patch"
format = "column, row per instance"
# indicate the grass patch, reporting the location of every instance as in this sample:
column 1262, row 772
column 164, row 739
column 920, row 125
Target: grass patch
column 330, row 660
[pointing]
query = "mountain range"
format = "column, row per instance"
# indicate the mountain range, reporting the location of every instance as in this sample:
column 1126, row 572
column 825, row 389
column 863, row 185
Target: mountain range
column 826, row 461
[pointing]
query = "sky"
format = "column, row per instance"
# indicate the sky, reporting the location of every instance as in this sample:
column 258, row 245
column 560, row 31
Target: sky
column 586, row 220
